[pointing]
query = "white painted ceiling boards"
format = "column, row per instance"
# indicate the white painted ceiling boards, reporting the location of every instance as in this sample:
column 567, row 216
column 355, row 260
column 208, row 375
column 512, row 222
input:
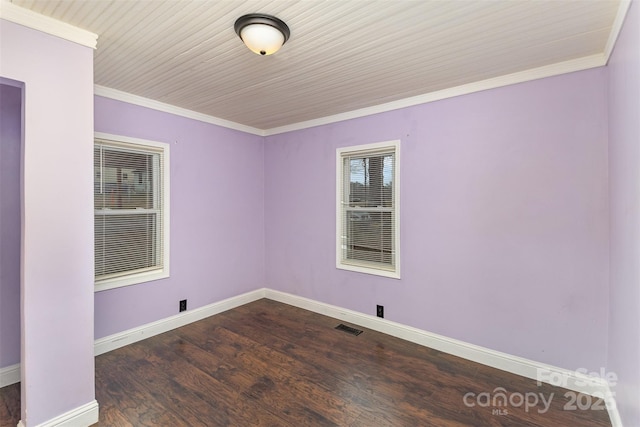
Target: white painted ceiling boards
column 343, row 56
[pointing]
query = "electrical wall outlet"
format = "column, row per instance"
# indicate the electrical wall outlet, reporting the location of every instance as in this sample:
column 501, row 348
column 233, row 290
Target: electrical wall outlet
column 183, row 305
column 380, row 311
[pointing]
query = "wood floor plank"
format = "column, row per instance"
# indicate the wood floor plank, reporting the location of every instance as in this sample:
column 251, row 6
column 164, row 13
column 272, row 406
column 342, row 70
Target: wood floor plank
column 200, row 398
column 10, row 405
column 219, row 381
column 119, row 385
column 274, row 371
column 343, row 357
column 269, row 364
column 285, row 370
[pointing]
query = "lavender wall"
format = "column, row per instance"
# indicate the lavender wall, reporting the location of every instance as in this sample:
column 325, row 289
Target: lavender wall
column 57, row 363
column 10, row 143
column 624, row 166
column 504, row 218
column 217, row 217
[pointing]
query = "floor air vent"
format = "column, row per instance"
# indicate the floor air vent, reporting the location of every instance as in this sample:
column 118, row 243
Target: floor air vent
column 348, row 329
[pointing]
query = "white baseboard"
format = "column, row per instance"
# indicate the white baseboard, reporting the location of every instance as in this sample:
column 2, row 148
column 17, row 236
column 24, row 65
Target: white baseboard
column 130, row 336
column 9, row 375
column 84, row 415
column 571, row 380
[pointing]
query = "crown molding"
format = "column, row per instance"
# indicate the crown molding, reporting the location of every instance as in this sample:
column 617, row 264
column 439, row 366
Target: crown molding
column 623, row 8
column 579, row 64
column 25, row 17
column 172, row 109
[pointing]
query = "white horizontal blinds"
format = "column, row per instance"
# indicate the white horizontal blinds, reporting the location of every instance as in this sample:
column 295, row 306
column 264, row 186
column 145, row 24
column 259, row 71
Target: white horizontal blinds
column 128, row 209
column 368, row 209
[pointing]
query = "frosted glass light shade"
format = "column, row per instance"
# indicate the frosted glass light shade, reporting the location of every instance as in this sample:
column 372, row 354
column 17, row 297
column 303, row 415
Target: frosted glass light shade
column 263, row 34
column 262, row 39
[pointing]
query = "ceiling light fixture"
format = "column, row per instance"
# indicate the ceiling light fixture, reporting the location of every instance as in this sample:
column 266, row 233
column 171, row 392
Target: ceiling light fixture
column 263, row 34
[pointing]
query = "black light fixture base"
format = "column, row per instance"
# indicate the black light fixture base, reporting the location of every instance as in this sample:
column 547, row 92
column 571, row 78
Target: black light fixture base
column 260, row 18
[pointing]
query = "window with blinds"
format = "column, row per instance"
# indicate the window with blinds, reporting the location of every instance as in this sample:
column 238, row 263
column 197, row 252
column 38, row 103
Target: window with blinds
column 131, row 211
column 367, row 209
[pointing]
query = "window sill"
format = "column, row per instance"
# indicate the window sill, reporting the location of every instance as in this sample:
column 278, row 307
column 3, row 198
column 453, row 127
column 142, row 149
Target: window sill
column 133, row 279
column 393, row 274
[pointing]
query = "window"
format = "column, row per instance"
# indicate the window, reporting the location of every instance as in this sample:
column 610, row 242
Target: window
column 367, row 221
column 131, row 202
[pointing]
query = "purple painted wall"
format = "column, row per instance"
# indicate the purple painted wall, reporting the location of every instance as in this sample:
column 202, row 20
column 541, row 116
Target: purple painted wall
column 504, row 218
column 217, row 216
column 624, row 175
column 57, row 362
column 10, row 143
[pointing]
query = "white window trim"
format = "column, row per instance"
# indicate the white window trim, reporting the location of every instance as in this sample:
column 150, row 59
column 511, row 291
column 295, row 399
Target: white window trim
column 363, row 149
column 145, row 276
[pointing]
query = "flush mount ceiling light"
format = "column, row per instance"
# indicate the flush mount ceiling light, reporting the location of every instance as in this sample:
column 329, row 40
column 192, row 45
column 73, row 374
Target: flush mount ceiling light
column 263, row 34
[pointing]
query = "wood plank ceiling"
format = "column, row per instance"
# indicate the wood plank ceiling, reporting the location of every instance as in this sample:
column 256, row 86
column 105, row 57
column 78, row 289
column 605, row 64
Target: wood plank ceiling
column 342, row 55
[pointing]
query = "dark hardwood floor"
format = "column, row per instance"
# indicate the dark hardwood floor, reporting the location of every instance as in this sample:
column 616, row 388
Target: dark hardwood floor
column 270, row 364
column 10, row 405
